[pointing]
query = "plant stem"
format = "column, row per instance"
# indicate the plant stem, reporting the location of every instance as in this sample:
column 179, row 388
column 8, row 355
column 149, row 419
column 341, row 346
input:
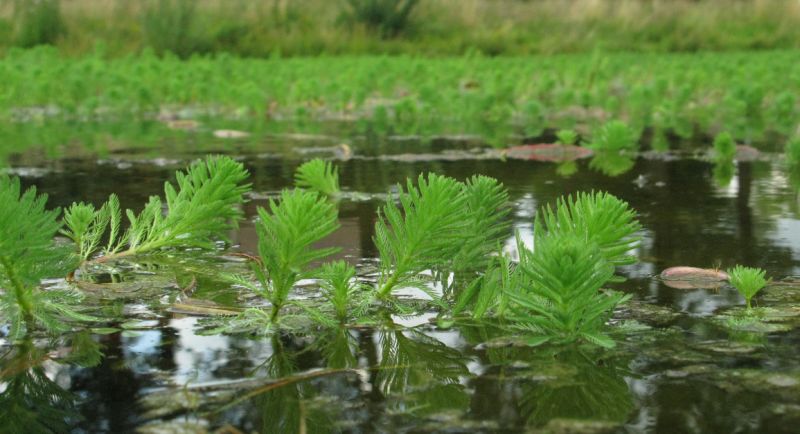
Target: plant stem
column 19, row 292
column 386, row 289
column 111, row 257
column 275, row 310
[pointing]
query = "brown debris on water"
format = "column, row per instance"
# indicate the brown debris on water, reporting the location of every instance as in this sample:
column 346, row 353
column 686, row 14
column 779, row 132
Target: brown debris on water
column 693, row 278
column 548, row 152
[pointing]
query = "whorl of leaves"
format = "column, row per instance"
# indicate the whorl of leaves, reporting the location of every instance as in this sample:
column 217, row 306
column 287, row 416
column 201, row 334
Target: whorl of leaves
column 424, row 230
column 318, row 175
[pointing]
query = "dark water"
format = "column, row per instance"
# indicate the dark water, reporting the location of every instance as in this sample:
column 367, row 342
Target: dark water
column 677, row 367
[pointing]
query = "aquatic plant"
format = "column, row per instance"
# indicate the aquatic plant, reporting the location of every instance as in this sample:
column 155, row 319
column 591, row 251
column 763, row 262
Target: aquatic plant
column 31, row 402
column 286, row 235
column 342, row 291
column 203, row 207
column 567, row 137
column 614, row 136
column 484, row 295
column 28, row 254
column 598, row 218
column 723, row 172
column 318, row 175
column 724, row 147
column 485, row 215
column 792, row 152
column 563, row 302
column 496, row 102
column 420, row 233
column 578, row 247
column 748, row 281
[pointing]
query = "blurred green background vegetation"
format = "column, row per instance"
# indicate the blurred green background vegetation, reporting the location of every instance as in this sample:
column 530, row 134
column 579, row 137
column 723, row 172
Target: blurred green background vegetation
column 263, row 28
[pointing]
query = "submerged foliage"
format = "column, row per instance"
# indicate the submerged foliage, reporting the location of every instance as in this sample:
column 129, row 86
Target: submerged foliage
column 748, row 281
column 28, row 254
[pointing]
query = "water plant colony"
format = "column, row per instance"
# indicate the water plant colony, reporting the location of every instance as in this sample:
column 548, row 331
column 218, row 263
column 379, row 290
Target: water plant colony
column 438, row 235
column 662, row 97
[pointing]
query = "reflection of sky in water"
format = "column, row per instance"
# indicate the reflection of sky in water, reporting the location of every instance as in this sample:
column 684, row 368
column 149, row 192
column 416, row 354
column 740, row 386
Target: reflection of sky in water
column 787, row 233
column 197, row 358
column 704, row 302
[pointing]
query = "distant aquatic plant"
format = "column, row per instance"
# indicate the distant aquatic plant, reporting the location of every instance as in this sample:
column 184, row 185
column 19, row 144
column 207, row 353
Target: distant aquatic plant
column 792, row 152
column 567, row 137
column 748, row 281
column 28, row 255
column 724, row 147
column 203, row 207
column 318, row 175
column 614, row 136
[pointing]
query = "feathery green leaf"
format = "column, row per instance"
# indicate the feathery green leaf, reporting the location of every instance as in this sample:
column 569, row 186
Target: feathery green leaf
column 318, row 175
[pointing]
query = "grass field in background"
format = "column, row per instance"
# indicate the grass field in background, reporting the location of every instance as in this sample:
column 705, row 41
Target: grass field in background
column 263, row 28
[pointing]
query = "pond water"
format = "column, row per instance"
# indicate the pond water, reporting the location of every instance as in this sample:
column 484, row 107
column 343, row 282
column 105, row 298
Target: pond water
column 159, row 367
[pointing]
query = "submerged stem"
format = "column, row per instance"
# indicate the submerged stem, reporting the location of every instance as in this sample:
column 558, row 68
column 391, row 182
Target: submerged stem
column 19, row 291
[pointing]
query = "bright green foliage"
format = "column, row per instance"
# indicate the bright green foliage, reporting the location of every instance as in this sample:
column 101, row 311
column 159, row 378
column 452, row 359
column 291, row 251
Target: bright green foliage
column 793, row 152
column 614, row 136
column 748, row 281
column 485, row 215
column 687, row 95
column 598, row 218
column 724, row 147
column 86, row 227
column 567, row 137
column 564, row 303
column 342, row 290
column 31, row 402
column 723, row 172
column 484, row 295
column 423, row 231
column 318, row 175
column 205, row 205
column 286, row 235
column 28, row 255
